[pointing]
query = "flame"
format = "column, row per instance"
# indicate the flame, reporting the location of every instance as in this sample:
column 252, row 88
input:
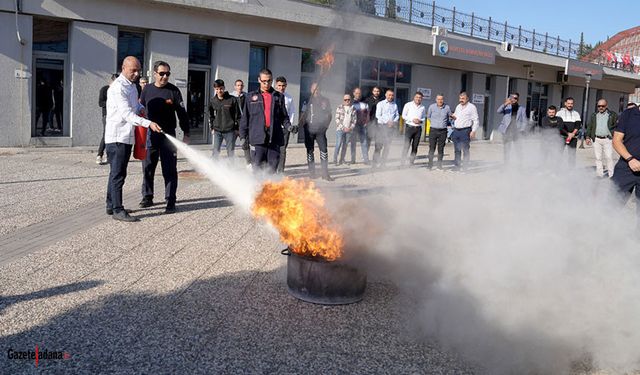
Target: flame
column 296, row 209
column 326, row 61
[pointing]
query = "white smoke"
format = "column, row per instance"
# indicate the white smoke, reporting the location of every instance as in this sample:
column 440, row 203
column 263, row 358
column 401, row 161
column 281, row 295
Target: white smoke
column 531, row 269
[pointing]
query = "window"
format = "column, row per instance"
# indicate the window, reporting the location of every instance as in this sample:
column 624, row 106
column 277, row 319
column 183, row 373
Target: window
column 369, row 69
column 403, row 74
column 487, row 83
column 257, row 62
column 463, row 82
column 308, row 61
column 50, row 36
column 199, row 51
column 353, row 73
column 130, row 43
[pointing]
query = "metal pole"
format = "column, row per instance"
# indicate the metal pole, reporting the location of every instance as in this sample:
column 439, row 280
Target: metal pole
column 489, row 30
column 533, row 41
column 519, row 35
column 453, row 21
column 584, row 109
column 569, row 53
column 504, row 37
column 433, row 13
column 410, row 10
column 473, row 21
column 558, row 46
column 546, row 43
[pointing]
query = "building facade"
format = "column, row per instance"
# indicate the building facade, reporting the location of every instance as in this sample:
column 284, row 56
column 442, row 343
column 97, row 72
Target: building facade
column 57, row 55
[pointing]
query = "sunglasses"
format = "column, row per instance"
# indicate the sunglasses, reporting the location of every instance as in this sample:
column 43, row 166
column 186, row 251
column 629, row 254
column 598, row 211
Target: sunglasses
column 346, row 100
column 602, row 106
column 162, row 74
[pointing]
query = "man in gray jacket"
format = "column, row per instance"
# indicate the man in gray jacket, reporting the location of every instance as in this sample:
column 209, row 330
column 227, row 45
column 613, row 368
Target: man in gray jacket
column 514, row 119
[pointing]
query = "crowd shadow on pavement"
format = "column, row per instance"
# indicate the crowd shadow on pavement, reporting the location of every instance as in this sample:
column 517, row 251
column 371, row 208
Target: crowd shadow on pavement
column 243, row 322
column 6, row 301
column 183, row 206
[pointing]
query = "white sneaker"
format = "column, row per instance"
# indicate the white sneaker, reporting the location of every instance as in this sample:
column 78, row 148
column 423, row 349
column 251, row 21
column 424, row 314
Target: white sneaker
column 250, row 167
column 98, row 159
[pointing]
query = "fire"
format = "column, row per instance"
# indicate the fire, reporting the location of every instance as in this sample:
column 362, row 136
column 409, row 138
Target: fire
column 296, row 209
column 326, row 60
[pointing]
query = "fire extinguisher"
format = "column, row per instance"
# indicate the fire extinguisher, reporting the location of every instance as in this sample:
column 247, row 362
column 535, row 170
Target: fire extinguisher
column 140, row 145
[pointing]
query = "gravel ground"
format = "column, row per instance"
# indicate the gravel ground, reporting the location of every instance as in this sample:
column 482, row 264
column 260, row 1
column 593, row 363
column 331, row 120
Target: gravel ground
column 199, row 291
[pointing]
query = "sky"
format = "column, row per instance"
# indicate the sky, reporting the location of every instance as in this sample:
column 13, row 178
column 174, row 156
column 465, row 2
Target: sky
column 565, row 18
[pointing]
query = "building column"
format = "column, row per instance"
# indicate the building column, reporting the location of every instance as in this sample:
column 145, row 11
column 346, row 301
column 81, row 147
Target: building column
column 477, row 85
column 285, row 61
column 554, row 97
column 172, row 48
column 231, row 62
column 92, row 48
column 16, row 96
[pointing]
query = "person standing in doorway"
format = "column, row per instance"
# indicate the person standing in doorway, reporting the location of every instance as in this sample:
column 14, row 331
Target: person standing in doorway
column 263, row 118
column 345, row 123
column 439, row 114
column 387, row 116
column 571, row 123
column 123, row 111
column 58, row 106
column 281, row 87
column 224, row 118
column 464, row 129
column 414, row 115
column 600, row 129
column 361, row 129
column 163, row 101
column 513, row 121
column 44, row 102
column 239, row 93
column 102, row 102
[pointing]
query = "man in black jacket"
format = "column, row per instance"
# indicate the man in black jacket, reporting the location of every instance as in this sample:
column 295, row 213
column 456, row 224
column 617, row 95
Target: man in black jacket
column 315, row 120
column 224, row 115
column 242, row 96
column 263, row 117
column 372, row 102
column 162, row 101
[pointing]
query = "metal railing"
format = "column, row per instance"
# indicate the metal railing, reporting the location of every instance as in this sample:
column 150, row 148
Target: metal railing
column 428, row 14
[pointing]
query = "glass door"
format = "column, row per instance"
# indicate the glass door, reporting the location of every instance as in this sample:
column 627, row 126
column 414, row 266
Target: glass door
column 49, row 91
column 197, row 105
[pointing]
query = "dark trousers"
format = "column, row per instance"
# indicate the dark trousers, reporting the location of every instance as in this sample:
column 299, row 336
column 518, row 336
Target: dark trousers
column 320, row 137
column 165, row 151
column 229, row 139
column 361, row 132
column 283, row 151
column 411, row 138
column 104, row 126
column 437, row 137
column 571, row 151
column 627, row 180
column 510, row 142
column 246, row 149
column 265, row 156
column 461, row 143
column 118, row 155
column 383, row 142
column 45, row 119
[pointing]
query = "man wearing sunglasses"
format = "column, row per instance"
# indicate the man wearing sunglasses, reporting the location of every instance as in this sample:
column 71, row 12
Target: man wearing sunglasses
column 600, row 130
column 514, row 120
column 162, row 101
column 263, row 118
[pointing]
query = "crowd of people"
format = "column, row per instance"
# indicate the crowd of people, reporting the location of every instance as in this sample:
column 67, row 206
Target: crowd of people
column 264, row 120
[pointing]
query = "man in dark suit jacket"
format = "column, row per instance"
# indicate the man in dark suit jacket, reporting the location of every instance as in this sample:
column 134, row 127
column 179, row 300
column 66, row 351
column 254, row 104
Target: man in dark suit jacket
column 263, row 118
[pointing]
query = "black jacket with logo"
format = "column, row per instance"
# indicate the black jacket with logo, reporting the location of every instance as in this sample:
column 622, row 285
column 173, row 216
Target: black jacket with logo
column 224, row 114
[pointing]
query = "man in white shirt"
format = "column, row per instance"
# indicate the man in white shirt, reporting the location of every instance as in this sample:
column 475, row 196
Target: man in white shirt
column 387, row 117
column 464, row 129
column 123, row 111
column 281, row 86
column 571, row 124
column 413, row 115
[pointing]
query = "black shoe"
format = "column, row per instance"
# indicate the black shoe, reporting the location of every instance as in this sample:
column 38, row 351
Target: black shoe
column 328, row 178
column 146, row 202
column 110, row 211
column 171, row 209
column 124, row 216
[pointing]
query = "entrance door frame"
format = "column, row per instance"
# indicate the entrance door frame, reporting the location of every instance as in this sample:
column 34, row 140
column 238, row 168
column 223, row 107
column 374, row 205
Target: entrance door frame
column 66, row 129
column 207, row 91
